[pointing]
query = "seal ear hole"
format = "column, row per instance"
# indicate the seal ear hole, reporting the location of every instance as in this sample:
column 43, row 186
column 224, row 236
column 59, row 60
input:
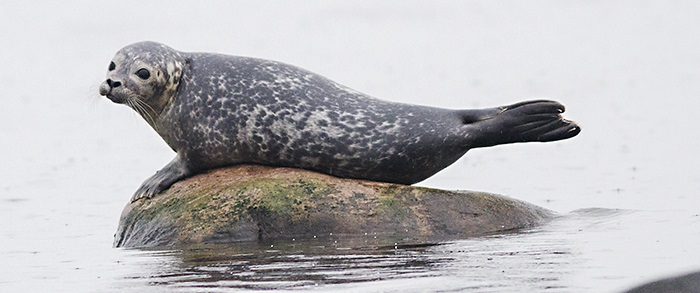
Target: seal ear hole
column 143, row 73
column 112, row 66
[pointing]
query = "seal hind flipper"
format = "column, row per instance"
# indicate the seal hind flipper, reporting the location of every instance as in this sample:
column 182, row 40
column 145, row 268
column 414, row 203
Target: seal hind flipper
column 162, row 180
column 538, row 120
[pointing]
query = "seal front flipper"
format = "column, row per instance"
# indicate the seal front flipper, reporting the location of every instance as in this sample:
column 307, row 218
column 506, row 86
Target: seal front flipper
column 164, row 178
column 539, row 120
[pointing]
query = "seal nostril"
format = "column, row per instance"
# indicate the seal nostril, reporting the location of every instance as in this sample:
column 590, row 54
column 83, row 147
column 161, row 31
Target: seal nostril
column 112, row 83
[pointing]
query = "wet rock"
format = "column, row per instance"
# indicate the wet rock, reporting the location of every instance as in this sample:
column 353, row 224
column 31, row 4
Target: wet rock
column 689, row 283
column 249, row 202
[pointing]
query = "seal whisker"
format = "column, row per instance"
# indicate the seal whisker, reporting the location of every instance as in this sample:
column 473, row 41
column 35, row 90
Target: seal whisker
column 145, row 105
column 129, row 103
column 138, row 109
column 150, row 117
column 142, row 108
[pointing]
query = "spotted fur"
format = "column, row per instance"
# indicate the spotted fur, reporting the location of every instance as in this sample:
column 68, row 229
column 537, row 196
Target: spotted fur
column 217, row 110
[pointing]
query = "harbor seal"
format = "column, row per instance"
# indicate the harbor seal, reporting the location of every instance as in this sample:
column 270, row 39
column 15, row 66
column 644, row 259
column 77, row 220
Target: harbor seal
column 218, row 110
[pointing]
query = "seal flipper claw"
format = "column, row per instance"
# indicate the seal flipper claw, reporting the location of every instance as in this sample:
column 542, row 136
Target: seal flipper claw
column 537, row 107
column 162, row 180
column 565, row 130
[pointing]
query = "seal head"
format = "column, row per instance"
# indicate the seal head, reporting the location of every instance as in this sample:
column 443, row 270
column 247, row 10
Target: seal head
column 145, row 76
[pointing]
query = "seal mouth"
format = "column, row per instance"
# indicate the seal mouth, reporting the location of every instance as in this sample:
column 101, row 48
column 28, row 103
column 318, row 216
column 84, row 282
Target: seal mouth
column 107, row 91
column 114, row 99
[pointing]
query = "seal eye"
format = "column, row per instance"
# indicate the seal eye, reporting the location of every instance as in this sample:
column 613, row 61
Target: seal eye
column 143, row 73
column 112, row 66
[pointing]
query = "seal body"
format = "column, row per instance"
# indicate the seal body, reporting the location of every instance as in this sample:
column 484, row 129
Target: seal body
column 217, row 110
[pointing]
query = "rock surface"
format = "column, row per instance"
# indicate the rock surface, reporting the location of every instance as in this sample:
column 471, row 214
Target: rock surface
column 689, row 283
column 249, row 202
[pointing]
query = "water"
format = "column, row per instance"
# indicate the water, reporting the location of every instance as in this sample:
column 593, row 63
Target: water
column 626, row 188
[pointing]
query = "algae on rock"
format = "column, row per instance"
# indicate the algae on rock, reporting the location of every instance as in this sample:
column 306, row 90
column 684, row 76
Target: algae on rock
column 250, row 202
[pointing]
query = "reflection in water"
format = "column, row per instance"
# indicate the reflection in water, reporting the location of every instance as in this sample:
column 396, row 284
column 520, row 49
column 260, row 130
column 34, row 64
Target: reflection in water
column 291, row 264
column 544, row 258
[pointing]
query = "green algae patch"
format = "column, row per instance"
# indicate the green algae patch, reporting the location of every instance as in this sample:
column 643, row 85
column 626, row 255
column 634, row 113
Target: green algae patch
column 247, row 203
column 284, row 198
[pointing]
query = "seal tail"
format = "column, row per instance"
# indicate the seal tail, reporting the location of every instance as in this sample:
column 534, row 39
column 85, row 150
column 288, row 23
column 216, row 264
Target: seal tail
column 538, row 120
